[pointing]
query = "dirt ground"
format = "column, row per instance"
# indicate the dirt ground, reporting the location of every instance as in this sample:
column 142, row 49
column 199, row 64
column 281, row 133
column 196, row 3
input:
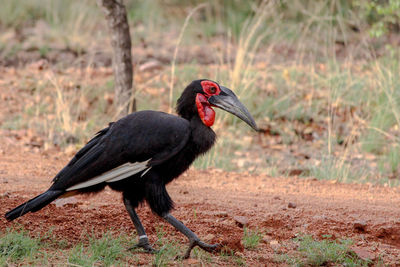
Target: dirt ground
column 209, row 202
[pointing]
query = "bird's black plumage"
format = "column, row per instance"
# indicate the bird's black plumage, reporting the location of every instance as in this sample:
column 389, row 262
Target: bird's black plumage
column 137, row 137
column 141, row 153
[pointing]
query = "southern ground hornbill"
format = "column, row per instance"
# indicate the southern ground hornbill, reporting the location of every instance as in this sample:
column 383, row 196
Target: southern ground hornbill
column 141, row 153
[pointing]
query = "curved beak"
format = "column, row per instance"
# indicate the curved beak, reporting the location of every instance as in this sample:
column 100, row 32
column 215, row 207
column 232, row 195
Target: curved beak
column 228, row 101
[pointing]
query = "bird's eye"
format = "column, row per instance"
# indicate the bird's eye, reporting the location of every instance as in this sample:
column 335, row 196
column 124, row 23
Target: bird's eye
column 213, row 89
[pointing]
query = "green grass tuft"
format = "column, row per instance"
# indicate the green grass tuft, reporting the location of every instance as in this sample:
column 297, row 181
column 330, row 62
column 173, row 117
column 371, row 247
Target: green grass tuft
column 106, row 251
column 168, row 251
column 251, row 239
column 323, row 253
column 17, row 246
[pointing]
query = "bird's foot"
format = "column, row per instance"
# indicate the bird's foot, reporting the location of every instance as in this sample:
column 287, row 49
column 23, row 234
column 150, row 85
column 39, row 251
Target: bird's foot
column 145, row 245
column 197, row 242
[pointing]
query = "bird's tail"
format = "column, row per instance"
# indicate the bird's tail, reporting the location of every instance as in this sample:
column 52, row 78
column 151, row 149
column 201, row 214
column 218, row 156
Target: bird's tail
column 34, row 204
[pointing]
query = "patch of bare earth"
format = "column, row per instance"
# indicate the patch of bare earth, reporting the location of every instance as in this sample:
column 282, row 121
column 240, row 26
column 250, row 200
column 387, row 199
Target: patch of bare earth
column 208, row 202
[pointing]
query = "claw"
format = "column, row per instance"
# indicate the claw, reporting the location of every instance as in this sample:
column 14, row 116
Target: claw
column 202, row 245
column 193, row 239
column 145, row 245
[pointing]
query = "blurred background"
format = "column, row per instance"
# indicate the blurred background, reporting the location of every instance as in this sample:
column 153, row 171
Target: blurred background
column 320, row 77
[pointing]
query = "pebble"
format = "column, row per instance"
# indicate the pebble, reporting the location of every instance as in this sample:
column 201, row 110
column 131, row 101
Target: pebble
column 274, row 244
column 5, row 194
column 221, row 214
column 65, row 201
column 363, row 253
column 241, row 221
column 292, row 205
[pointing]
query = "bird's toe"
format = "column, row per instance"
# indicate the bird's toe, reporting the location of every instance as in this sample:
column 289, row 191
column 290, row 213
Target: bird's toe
column 209, row 247
column 145, row 246
column 202, row 245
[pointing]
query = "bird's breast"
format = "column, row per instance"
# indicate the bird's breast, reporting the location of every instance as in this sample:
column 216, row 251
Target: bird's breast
column 197, row 144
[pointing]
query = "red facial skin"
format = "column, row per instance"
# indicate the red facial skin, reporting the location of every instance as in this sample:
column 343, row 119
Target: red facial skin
column 206, row 113
column 207, row 85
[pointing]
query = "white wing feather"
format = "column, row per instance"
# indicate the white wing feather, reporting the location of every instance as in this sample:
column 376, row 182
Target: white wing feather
column 116, row 174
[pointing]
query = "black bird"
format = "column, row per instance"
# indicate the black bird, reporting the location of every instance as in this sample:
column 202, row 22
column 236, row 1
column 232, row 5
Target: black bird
column 141, row 153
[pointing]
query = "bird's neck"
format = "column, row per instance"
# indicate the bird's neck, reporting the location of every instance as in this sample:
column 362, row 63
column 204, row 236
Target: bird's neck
column 202, row 136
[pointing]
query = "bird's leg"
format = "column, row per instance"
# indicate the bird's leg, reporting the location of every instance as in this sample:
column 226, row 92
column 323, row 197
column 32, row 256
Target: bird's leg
column 143, row 239
column 193, row 239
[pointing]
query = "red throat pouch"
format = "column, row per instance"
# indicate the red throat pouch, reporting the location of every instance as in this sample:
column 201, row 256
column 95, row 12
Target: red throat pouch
column 206, row 113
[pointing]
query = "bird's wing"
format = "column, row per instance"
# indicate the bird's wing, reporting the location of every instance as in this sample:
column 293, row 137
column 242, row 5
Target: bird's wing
column 85, row 155
column 121, row 172
column 131, row 145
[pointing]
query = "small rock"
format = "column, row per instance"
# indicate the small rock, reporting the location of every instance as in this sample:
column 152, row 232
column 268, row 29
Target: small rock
column 292, row 205
column 360, row 225
column 274, row 244
column 277, row 198
column 65, row 201
column 241, row 221
column 5, row 194
column 363, row 253
column 221, row 214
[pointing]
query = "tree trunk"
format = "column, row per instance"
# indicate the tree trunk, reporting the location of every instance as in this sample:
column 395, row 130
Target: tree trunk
column 122, row 59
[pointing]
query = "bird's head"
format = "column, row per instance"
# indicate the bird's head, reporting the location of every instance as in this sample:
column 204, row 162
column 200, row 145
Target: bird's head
column 201, row 96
